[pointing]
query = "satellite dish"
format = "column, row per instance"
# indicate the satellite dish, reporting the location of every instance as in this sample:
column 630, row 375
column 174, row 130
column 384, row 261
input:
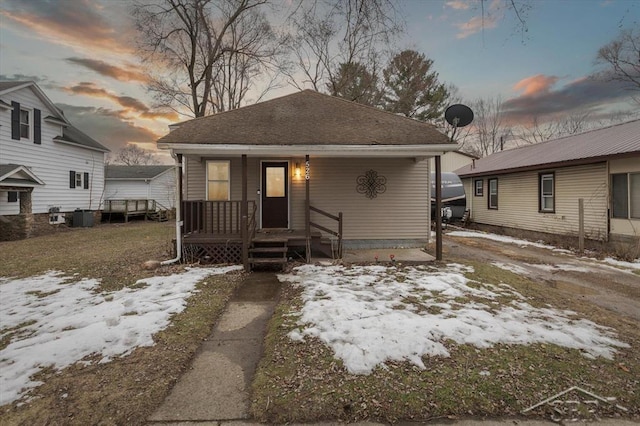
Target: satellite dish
column 458, row 115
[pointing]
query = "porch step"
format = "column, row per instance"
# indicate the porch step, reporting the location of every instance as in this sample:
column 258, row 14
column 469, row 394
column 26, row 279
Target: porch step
column 268, row 252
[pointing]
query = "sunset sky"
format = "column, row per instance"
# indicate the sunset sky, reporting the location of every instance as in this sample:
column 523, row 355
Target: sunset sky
column 82, row 54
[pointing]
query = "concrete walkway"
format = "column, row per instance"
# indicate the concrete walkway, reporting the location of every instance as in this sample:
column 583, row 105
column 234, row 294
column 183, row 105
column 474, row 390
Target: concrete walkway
column 215, row 391
column 216, row 388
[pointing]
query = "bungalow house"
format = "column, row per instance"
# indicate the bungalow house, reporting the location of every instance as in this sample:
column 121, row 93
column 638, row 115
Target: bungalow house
column 538, row 187
column 299, row 170
column 139, row 189
column 48, row 168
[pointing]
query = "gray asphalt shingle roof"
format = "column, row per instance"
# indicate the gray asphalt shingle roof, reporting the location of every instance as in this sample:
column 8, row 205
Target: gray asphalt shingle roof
column 306, row 118
column 134, row 172
column 619, row 140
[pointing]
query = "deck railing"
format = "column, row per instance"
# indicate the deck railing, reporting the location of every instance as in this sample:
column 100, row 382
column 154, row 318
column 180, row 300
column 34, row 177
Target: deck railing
column 337, row 233
column 128, row 206
column 214, row 217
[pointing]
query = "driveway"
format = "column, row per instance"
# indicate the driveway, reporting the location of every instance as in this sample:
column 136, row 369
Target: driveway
column 614, row 288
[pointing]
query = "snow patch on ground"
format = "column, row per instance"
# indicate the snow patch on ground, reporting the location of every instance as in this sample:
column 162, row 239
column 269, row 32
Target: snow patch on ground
column 505, row 239
column 372, row 314
column 62, row 319
column 562, row 267
column 516, row 269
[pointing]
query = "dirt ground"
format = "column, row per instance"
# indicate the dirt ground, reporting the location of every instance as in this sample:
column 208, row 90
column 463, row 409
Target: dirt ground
column 602, row 285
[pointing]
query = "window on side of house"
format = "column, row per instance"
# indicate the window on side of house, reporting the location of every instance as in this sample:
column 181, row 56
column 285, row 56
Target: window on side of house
column 493, row 194
column 478, row 186
column 547, row 193
column 218, row 180
column 620, row 196
column 25, row 124
column 12, row 196
column 625, row 195
column 78, row 180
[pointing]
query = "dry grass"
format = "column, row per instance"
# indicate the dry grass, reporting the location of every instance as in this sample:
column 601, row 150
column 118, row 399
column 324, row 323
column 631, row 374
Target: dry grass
column 126, row 390
column 300, row 382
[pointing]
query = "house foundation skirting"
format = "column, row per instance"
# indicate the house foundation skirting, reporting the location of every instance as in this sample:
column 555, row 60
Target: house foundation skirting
column 384, row 244
column 563, row 241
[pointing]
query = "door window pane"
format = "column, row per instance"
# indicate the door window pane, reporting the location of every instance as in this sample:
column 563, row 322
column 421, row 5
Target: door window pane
column 275, row 181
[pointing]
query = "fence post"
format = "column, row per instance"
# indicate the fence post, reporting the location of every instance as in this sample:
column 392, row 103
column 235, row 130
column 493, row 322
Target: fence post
column 581, row 225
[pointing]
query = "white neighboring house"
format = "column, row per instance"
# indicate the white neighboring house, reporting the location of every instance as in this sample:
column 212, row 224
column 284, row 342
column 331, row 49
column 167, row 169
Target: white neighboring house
column 157, row 183
column 48, row 168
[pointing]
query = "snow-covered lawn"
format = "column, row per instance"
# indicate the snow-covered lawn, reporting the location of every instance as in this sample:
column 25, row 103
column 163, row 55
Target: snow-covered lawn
column 608, row 261
column 57, row 320
column 371, row 314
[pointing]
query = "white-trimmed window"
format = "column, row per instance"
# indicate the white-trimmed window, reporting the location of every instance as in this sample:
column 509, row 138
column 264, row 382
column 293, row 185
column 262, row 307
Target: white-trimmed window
column 78, row 180
column 493, row 194
column 218, row 180
column 478, row 186
column 547, row 192
column 25, row 123
column 625, row 195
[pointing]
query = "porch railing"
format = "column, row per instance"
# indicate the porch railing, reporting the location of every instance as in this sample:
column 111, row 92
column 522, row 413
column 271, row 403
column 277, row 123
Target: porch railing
column 337, row 233
column 215, row 217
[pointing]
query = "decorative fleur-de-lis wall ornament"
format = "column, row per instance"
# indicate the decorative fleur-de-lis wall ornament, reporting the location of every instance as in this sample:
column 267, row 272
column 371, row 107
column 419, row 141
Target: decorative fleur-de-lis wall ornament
column 370, row 184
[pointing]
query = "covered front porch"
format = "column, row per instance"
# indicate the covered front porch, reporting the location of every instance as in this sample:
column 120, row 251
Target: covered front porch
column 304, row 171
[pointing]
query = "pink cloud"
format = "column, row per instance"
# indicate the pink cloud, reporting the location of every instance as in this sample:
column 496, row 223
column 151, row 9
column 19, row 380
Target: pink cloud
column 458, row 4
column 536, row 84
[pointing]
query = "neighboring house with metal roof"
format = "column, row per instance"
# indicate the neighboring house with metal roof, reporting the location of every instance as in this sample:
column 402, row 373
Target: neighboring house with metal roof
column 141, row 182
column 537, row 187
column 305, row 165
column 48, row 168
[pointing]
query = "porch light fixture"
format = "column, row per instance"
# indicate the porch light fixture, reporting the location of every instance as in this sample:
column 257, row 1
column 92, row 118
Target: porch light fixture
column 297, row 173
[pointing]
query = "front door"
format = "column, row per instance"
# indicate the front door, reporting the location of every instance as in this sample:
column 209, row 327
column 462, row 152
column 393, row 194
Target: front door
column 275, row 194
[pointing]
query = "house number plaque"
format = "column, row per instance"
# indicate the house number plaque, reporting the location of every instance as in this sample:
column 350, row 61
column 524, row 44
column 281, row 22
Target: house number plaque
column 370, row 184
column 306, row 170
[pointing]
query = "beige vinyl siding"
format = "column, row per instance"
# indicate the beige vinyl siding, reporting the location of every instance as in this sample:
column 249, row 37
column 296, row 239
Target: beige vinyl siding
column 518, row 201
column 626, row 227
column 451, row 161
column 400, row 213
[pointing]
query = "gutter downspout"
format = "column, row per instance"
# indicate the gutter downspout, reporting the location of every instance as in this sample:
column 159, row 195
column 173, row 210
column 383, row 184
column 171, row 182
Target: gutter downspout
column 178, row 159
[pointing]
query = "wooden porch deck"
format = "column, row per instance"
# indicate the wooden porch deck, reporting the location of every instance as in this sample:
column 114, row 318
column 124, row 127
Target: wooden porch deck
column 227, row 247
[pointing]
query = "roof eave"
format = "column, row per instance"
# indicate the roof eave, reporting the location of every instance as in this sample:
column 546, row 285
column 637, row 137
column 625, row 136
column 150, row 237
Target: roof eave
column 315, row 150
column 60, row 140
column 568, row 163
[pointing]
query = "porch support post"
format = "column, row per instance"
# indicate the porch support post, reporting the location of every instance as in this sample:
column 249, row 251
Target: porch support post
column 244, row 214
column 307, row 208
column 438, row 209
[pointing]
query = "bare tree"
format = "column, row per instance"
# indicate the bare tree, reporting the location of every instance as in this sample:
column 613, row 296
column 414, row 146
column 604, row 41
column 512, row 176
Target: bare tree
column 183, row 41
column 256, row 56
column 131, row 155
column 411, row 87
column 539, row 130
column 622, row 58
column 488, row 132
column 327, row 34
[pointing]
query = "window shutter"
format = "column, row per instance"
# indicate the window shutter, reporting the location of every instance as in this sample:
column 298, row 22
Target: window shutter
column 15, row 121
column 72, row 179
column 86, row 180
column 37, row 130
